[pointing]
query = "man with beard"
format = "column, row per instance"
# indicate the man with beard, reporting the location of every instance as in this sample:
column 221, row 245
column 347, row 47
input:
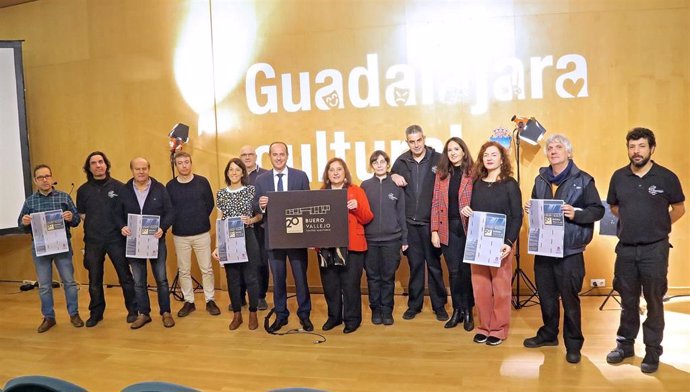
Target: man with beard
column 96, row 200
column 648, row 199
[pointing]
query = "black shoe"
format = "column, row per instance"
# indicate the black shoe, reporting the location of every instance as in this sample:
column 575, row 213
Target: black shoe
column 132, row 317
column 650, row 364
column 212, row 308
column 410, row 314
column 454, row 319
column 350, row 328
column 376, row 317
column 306, row 324
column 480, row 338
column 573, row 357
column 618, row 354
column 187, row 308
column 93, row 321
column 277, row 325
column 538, row 341
column 388, row 319
column 468, row 321
column 263, row 305
column 330, row 324
column 493, row 341
column 441, row 315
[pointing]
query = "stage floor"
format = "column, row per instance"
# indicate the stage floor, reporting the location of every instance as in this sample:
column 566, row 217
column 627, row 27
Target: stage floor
column 416, row 355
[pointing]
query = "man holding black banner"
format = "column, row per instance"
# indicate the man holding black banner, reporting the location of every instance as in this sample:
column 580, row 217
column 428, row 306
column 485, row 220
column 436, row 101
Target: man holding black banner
column 280, row 179
column 143, row 195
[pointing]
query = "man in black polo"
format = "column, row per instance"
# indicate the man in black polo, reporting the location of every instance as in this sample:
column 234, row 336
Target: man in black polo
column 95, row 203
column 648, row 199
column 415, row 171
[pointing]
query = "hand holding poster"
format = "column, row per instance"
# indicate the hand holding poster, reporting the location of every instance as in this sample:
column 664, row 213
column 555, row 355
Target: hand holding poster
column 232, row 247
column 546, row 228
column 141, row 243
column 485, row 235
column 48, row 229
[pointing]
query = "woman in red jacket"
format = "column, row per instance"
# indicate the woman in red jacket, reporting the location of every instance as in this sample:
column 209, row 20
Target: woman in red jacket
column 341, row 283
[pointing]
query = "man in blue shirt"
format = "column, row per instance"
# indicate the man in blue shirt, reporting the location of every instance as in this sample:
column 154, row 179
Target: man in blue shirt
column 47, row 198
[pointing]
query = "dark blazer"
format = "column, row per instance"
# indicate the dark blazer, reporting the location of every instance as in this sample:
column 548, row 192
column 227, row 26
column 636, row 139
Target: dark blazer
column 297, row 181
column 157, row 203
column 439, row 204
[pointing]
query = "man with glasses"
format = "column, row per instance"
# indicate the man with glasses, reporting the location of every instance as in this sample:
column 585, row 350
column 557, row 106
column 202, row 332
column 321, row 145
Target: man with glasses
column 47, row 198
column 248, row 157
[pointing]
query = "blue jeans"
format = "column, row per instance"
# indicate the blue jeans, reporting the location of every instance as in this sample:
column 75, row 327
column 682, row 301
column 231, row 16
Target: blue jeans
column 44, row 274
column 141, row 283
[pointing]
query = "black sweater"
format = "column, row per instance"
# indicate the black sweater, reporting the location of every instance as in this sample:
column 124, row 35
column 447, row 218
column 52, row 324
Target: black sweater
column 193, row 204
column 501, row 197
column 96, row 199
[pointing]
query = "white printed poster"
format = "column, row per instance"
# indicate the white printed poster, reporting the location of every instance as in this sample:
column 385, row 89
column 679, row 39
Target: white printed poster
column 486, row 232
column 141, row 244
column 48, row 229
column 232, row 247
column 546, row 228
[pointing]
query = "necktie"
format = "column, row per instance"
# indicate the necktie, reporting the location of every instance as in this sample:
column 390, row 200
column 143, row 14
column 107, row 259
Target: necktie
column 280, row 182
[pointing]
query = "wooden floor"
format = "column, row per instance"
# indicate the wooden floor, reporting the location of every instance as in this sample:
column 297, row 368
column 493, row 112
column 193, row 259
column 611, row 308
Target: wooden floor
column 417, row 355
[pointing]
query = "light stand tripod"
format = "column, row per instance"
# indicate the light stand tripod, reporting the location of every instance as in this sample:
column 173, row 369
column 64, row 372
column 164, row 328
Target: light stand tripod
column 519, row 274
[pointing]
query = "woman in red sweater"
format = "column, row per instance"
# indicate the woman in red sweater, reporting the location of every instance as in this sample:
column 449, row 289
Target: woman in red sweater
column 341, row 283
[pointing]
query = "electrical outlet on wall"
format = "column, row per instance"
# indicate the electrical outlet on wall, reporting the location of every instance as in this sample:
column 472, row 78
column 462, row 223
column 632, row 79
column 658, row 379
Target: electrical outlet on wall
column 597, row 282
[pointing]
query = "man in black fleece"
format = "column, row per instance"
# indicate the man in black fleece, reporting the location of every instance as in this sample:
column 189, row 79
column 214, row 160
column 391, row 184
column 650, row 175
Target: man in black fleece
column 96, row 199
column 414, row 170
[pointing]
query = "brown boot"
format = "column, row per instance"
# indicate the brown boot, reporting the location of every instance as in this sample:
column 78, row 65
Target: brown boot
column 236, row 321
column 253, row 321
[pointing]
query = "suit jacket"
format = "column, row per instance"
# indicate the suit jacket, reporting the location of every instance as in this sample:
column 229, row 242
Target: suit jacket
column 297, row 181
column 439, row 204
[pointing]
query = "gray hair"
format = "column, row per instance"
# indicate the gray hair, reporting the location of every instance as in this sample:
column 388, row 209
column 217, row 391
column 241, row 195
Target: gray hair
column 413, row 129
column 558, row 138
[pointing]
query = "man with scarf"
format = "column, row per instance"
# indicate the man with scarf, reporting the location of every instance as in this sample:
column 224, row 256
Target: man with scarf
column 562, row 277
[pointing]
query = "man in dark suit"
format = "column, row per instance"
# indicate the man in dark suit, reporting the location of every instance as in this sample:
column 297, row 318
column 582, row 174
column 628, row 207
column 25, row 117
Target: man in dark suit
column 283, row 178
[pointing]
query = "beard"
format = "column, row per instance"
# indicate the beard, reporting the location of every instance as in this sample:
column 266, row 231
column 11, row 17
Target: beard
column 640, row 163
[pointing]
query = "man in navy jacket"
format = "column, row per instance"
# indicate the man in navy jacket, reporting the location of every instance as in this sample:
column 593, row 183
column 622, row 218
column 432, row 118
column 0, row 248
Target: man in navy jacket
column 145, row 196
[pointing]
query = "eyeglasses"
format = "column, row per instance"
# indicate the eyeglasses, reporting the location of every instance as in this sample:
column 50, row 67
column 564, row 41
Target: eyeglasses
column 379, row 163
column 251, row 154
column 44, row 178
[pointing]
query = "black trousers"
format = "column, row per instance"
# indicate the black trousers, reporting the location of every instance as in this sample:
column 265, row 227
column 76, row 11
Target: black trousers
column 422, row 253
column 381, row 261
column 263, row 273
column 560, row 278
column 94, row 259
column 234, row 272
column 459, row 273
column 642, row 269
column 341, row 287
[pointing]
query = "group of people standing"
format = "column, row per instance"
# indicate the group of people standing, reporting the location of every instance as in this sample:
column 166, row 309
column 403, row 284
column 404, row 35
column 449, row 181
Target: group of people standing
column 420, row 206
